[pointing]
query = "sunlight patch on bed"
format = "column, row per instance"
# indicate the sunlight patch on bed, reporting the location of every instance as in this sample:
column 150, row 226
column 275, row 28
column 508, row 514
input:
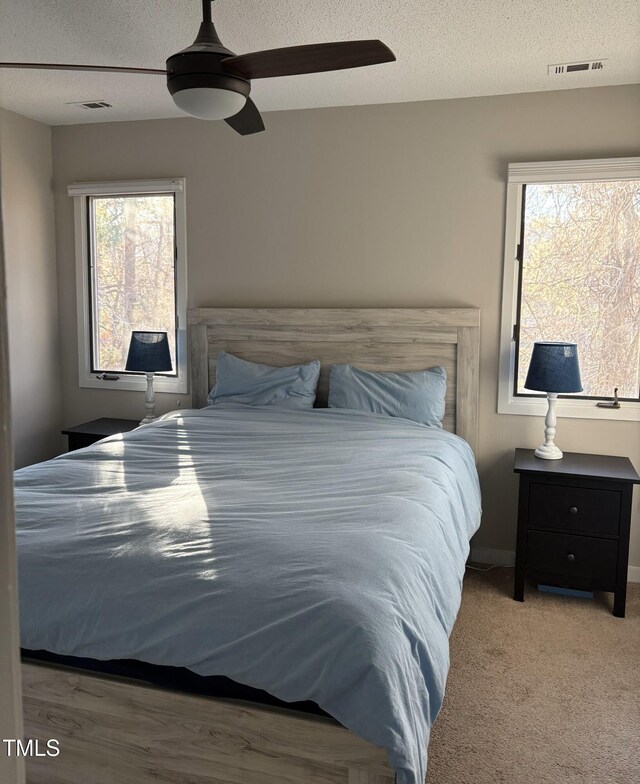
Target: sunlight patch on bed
column 191, row 514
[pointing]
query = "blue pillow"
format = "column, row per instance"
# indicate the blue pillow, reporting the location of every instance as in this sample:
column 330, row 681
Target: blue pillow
column 418, row 395
column 239, row 381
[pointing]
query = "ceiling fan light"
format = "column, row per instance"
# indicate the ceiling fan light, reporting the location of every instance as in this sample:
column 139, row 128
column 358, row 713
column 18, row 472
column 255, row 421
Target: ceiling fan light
column 209, row 103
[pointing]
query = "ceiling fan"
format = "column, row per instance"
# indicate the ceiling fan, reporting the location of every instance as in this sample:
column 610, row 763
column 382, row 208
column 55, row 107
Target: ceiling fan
column 209, row 81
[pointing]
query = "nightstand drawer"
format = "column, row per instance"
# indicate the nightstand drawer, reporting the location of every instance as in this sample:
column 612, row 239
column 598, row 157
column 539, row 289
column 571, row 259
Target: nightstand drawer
column 574, row 516
column 574, row 508
column 572, row 556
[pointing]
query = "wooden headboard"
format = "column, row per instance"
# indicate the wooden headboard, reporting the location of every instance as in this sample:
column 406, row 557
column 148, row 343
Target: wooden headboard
column 381, row 339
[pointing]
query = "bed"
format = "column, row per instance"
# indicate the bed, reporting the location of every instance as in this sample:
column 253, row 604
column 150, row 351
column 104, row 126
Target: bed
column 328, row 493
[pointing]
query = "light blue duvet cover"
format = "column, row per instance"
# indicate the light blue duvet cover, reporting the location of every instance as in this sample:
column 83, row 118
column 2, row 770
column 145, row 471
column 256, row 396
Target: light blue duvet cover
column 317, row 554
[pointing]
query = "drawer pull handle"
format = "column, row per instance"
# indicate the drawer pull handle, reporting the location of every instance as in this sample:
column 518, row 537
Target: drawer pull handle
column 571, row 557
column 573, row 510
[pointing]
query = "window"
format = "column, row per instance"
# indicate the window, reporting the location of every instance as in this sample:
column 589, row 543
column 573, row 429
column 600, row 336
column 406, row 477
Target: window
column 131, row 272
column 572, row 272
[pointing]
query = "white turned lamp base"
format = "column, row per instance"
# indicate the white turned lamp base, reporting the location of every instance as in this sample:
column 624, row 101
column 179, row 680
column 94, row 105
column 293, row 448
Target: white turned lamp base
column 149, row 402
column 548, row 450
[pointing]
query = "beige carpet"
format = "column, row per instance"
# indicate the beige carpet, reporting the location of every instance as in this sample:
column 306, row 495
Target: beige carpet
column 545, row 692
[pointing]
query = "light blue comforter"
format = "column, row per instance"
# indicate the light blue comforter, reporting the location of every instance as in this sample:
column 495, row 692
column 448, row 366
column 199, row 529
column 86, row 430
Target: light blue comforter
column 318, row 555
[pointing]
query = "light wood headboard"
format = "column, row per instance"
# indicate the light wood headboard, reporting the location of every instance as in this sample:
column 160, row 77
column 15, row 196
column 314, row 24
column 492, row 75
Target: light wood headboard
column 381, row 339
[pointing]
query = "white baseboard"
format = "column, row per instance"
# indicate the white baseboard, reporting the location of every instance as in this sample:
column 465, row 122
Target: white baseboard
column 486, row 555
column 633, row 575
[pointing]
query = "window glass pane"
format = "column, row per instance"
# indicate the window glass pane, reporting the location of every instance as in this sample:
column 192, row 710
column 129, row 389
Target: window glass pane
column 581, row 280
column 133, row 283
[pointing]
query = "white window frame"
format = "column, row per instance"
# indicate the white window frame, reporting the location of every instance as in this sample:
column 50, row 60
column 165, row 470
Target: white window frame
column 81, row 193
column 548, row 172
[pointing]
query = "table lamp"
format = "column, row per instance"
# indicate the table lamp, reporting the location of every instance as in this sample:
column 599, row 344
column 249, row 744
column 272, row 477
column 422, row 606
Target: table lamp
column 149, row 354
column 553, row 369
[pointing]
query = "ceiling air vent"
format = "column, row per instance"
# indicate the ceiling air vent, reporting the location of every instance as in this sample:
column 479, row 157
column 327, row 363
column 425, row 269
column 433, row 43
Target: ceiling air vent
column 91, row 104
column 560, row 69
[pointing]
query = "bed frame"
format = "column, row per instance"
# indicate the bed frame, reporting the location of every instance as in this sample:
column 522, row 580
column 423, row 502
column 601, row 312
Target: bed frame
column 123, row 732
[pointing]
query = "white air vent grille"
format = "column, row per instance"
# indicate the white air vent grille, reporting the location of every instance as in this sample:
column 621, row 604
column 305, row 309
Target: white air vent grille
column 91, row 104
column 562, row 69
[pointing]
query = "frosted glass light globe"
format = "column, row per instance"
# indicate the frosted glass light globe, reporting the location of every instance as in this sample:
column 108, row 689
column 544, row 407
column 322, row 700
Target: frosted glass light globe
column 209, row 103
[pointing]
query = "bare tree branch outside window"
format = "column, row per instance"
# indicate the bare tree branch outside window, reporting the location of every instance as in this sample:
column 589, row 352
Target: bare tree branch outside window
column 134, row 274
column 581, row 280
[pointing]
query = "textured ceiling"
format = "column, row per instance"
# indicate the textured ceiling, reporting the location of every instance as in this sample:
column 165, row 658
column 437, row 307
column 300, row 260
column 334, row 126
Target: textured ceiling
column 444, row 49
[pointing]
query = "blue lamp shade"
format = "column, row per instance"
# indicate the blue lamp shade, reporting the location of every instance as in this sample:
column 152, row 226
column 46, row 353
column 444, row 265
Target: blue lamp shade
column 149, row 352
column 554, row 368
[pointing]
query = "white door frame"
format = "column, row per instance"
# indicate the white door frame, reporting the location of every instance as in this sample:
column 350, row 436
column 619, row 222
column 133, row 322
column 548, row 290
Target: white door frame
column 11, row 767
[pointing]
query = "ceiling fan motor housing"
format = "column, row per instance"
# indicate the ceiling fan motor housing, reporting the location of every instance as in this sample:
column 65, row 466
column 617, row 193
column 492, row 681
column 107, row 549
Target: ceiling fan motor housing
column 209, row 82
column 200, row 65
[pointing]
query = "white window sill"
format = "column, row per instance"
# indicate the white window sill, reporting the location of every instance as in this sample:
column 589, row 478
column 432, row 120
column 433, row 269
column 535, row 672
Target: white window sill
column 573, row 409
column 177, row 386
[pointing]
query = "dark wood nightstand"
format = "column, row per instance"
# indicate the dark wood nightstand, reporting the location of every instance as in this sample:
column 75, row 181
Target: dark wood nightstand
column 90, row 432
column 574, row 516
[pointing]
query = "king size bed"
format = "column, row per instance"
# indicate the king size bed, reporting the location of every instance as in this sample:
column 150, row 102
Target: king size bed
column 314, row 557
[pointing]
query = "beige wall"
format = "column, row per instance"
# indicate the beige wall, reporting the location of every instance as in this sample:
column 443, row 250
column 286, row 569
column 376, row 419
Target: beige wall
column 32, row 309
column 398, row 205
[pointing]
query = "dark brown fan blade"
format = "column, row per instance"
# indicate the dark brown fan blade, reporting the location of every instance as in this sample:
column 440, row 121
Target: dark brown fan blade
column 312, row 58
column 248, row 119
column 68, row 67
